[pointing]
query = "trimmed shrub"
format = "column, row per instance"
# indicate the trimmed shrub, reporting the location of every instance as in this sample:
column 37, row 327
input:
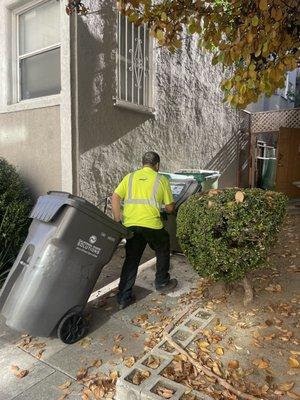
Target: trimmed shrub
column 227, row 233
column 15, row 205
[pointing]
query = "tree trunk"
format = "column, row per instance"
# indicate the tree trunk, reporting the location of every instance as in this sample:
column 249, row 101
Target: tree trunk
column 248, row 296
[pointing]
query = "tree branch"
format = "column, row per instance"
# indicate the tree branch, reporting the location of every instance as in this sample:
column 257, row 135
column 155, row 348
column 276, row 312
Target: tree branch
column 208, row 372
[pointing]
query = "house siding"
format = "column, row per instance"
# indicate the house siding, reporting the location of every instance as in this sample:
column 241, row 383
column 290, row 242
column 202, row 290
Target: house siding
column 191, row 126
column 30, row 140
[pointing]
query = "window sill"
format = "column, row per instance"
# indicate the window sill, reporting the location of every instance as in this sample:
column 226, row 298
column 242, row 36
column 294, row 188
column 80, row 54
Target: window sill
column 30, row 104
column 134, row 107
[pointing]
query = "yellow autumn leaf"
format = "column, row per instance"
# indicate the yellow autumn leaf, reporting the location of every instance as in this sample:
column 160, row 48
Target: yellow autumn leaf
column 263, row 5
column 293, row 362
column 216, row 369
column 159, row 34
column 219, row 351
column 203, row 344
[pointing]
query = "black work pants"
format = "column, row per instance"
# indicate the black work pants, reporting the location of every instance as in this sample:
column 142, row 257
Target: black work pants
column 159, row 241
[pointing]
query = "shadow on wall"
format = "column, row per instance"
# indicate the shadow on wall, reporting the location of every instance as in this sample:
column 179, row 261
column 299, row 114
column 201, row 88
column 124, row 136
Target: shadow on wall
column 100, row 122
column 232, row 161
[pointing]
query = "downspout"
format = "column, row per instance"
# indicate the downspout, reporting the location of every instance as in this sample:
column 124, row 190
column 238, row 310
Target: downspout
column 74, row 102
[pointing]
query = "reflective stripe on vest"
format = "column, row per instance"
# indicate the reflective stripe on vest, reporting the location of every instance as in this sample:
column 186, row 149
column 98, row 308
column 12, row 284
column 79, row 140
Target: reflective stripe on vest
column 150, row 202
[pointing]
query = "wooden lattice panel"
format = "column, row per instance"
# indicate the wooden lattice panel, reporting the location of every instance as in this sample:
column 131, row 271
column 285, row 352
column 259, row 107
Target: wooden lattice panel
column 272, row 121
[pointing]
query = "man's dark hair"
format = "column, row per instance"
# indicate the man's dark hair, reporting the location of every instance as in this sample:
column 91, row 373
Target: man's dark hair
column 150, row 158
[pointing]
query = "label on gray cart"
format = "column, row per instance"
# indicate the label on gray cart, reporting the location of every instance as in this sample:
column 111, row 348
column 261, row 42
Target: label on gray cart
column 88, row 247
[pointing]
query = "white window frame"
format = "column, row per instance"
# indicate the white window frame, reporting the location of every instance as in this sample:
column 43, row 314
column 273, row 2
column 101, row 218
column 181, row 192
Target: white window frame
column 147, row 103
column 16, row 58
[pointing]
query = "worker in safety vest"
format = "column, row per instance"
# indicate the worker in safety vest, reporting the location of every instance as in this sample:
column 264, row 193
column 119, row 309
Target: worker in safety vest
column 143, row 193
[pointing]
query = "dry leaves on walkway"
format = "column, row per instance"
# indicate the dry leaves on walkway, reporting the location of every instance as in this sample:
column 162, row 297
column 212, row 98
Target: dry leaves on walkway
column 85, row 342
column 18, row 372
column 293, row 362
column 29, row 343
column 65, row 385
column 129, row 361
column 261, row 363
column 98, row 386
column 139, row 376
column 118, row 349
column 152, row 362
column 164, row 392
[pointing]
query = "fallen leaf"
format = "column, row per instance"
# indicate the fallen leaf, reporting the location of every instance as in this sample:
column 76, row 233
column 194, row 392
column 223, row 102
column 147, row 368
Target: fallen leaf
column 118, row 338
column 261, row 363
column 219, row 351
column 81, row 373
column 139, row 376
column 295, row 353
column 233, row 364
column 65, row 385
column 96, row 363
column 19, row 373
column 63, row 397
column 164, row 392
column 293, row 395
column 273, row 288
column 86, row 342
column 114, row 375
column 220, row 328
column 118, row 349
column 294, row 363
column 40, row 353
column 286, row 386
column 216, row 369
column 129, row 361
column 153, row 362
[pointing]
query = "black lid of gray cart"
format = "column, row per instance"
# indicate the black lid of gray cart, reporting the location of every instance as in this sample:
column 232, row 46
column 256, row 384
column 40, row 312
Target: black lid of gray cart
column 48, row 207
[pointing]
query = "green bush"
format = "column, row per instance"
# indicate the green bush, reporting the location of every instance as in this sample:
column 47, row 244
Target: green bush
column 15, row 205
column 227, row 233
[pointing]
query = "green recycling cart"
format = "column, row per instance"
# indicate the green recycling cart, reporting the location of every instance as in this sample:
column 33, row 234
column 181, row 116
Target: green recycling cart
column 209, row 179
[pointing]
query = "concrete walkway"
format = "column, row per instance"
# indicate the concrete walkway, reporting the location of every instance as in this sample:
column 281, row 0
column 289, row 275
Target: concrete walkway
column 112, row 337
column 261, row 340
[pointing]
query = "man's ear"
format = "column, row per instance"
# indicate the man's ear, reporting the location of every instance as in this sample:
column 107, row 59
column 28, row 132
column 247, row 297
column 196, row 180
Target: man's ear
column 157, row 167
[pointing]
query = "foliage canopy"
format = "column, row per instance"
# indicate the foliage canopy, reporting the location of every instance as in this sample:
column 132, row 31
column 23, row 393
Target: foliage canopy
column 15, row 205
column 257, row 41
column 227, row 233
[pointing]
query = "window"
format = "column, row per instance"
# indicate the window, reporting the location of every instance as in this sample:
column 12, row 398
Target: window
column 38, row 50
column 134, row 63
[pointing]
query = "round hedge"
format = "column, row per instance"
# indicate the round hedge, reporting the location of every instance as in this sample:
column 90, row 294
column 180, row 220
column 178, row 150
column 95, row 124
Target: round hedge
column 227, row 233
column 15, row 205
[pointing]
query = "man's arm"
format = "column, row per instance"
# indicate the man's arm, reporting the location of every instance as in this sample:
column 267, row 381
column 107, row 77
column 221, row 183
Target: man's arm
column 170, row 208
column 116, row 207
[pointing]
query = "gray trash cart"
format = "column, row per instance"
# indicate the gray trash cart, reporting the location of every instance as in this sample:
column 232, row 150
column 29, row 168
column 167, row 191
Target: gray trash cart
column 68, row 243
column 182, row 188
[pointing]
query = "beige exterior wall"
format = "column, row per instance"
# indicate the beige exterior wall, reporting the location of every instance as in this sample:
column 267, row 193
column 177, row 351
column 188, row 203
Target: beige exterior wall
column 31, row 140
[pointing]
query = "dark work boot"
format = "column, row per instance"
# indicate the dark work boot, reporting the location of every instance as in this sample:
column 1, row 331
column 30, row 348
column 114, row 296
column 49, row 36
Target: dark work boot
column 124, row 304
column 168, row 287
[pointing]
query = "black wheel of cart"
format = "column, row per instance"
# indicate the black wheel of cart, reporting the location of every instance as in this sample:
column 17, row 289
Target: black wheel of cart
column 72, row 328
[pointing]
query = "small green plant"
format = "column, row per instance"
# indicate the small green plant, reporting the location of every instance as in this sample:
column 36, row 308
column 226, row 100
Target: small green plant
column 15, row 205
column 227, row 233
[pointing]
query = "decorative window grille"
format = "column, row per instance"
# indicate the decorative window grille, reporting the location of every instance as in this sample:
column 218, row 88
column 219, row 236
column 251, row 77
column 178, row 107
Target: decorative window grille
column 134, row 63
column 38, row 50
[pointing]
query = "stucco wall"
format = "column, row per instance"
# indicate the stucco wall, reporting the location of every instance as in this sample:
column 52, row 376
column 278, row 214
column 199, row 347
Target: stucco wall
column 191, row 127
column 30, row 140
